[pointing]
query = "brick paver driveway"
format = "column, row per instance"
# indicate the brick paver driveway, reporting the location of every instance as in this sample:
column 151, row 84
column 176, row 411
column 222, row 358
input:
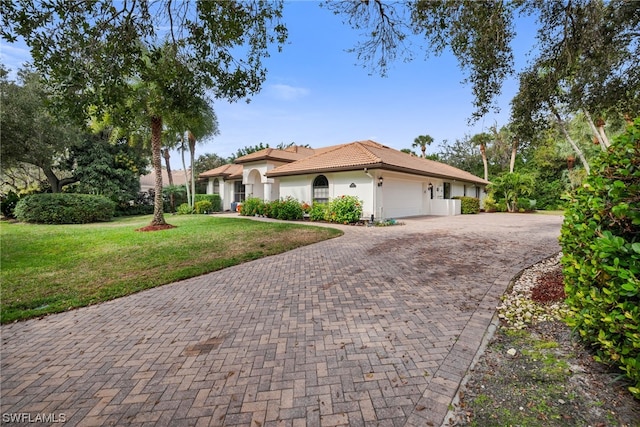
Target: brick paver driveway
column 374, row 328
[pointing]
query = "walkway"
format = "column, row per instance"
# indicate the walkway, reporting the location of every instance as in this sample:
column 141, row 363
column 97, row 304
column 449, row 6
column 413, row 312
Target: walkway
column 375, row 328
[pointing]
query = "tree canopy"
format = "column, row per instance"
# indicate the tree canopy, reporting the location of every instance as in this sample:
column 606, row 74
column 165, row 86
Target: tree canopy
column 592, row 45
column 150, row 60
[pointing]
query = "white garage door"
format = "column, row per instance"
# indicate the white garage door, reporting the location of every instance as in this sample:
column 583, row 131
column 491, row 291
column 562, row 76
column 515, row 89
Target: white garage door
column 401, row 198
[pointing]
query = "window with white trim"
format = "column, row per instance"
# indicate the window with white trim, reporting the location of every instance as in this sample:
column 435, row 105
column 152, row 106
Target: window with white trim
column 321, row 189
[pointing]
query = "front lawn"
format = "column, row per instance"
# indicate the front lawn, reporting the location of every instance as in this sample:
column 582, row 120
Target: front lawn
column 52, row 268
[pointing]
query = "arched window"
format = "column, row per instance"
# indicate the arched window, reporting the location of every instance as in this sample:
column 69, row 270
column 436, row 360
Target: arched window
column 216, row 186
column 321, row 189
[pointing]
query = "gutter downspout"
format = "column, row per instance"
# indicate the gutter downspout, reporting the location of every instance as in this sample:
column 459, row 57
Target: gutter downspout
column 373, row 191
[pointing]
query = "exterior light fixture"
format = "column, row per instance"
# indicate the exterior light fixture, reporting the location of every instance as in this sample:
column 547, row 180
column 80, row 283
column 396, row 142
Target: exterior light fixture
column 430, row 186
column 380, row 181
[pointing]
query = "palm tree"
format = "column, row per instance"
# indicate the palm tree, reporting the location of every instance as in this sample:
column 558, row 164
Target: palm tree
column 481, row 140
column 422, row 141
column 200, row 123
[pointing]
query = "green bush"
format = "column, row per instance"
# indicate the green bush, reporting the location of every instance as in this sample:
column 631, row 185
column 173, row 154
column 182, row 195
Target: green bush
column 510, row 187
column 214, row 199
column 252, row 206
column 8, row 204
column 318, row 211
column 344, row 210
column 490, row 204
column 470, row 205
column 64, row 208
column 286, row 209
column 600, row 240
column 203, row 207
column 184, row 209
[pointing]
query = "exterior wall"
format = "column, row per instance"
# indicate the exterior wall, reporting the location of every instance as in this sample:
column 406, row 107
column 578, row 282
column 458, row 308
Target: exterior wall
column 446, row 207
column 401, row 195
column 340, row 183
column 257, row 184
column 226, row 191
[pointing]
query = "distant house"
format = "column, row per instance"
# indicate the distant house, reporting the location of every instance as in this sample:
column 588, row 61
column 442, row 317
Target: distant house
column 148, row 182
column 391, row 184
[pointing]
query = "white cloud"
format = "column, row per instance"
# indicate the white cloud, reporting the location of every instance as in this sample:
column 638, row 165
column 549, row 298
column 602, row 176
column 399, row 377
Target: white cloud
column 286, row 92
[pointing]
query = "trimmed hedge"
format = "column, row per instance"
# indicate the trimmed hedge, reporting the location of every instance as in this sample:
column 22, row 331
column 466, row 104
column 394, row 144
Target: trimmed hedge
column 600, row 240
column 470, row 205
column 64, row 208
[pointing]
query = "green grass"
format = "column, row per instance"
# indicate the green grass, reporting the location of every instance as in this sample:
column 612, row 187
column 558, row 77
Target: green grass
column 52, row 268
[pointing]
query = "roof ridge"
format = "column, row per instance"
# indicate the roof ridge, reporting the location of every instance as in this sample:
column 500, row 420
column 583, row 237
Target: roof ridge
column 363, row 145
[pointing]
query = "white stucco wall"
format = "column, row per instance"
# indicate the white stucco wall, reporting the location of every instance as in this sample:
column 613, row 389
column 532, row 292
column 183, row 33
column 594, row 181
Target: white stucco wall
column 340, row 183
column 401, row 195
column 226, row 192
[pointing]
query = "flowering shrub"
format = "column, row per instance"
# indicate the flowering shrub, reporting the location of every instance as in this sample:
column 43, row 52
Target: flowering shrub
column 288, row 209
column 344, row 210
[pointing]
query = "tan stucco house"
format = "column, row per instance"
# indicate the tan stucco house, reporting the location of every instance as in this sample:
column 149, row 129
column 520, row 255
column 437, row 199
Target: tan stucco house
column 391, row 184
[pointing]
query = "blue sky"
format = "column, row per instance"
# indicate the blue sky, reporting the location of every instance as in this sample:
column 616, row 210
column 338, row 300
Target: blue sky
column 317, row 94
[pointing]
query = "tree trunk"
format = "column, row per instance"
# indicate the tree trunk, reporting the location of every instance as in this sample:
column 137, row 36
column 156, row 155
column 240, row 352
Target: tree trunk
column 603, row 134
column 563, row 128
column 514, row 149
column 167, row 164
column 483, row 151
column 184, row 167
column 172, row 197
column 56, row 183
column 156, row 160
column 601, row 142
column 192, row 152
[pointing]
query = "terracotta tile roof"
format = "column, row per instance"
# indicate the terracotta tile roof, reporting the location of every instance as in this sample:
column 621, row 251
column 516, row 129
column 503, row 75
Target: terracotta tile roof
column 290, row 154
column 228, row 171
column 372, row 155
column 149, row 180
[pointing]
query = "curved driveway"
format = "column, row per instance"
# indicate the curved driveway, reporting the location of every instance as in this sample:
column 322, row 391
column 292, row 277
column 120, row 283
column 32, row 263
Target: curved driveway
column 375, row 328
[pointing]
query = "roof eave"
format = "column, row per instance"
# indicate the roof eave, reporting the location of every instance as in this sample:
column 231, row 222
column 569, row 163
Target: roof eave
column 378, row 165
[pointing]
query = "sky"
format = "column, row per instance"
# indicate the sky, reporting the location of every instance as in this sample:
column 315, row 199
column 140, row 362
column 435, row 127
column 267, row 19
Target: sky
column 317, row 94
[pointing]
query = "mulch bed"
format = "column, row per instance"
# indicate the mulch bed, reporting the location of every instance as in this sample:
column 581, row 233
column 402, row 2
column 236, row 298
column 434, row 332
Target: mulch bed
column 156, row 227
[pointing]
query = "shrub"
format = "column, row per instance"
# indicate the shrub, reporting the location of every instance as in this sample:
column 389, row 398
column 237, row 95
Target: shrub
column 214, row 199
column 508, row 188
column 490, row 204
column 318, row 211
column 8, row 204
column 203, row 207
column 252, row 206
column 64, row 208
column 286, row 209
column 470, row 205
column 600, row 240
column 184, row 209
column 344, row 210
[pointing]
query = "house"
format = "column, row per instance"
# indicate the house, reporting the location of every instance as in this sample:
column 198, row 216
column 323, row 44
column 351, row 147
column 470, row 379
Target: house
column 148, row 181
column 391, row 184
